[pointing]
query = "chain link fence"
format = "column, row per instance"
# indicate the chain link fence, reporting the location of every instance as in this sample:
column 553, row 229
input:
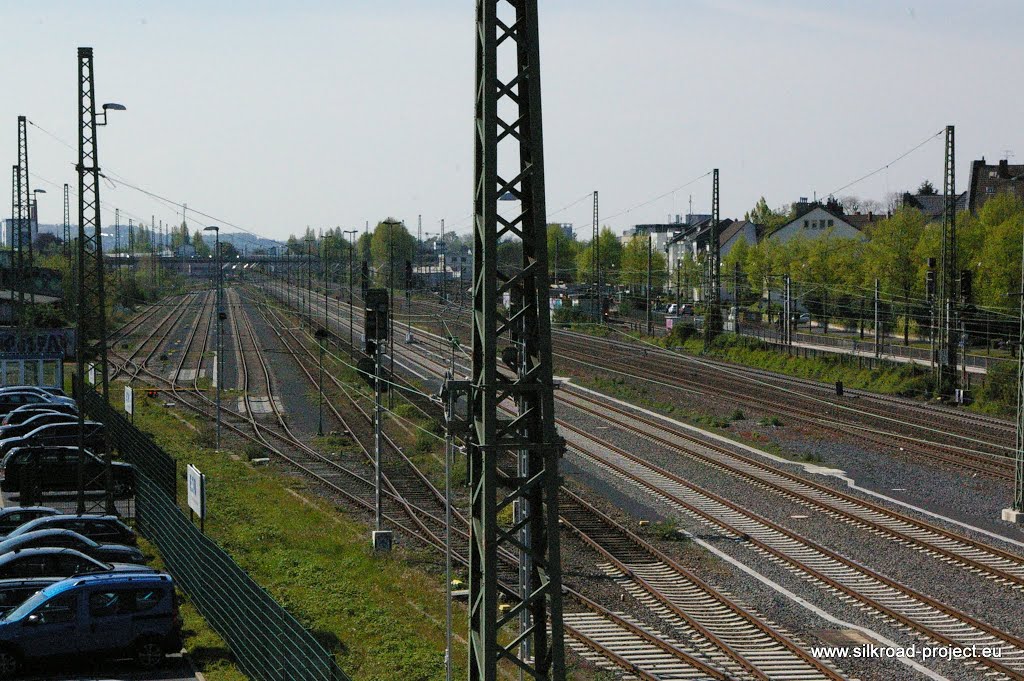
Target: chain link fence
column 267, row 642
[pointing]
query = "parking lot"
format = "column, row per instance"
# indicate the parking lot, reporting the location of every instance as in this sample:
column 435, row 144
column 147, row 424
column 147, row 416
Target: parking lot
column 177, row 669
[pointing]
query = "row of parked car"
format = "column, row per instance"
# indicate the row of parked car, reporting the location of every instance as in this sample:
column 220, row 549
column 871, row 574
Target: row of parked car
column 39, row 445
column 78, row 585
column 71, row 585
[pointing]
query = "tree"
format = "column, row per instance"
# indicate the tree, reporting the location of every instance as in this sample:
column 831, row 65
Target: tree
column 48, row 244
column 890, row 257
column 761, row 214
column 563, row 247
column 635, row 264
column 926, row 189
column 611, row 257
column 856, row 204
column 202, row 248
column 382, row 252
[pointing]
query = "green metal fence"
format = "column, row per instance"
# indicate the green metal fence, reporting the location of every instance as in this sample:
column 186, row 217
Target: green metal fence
column 268, row 643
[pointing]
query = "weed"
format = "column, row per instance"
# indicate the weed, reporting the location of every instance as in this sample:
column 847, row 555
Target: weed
column 737, row 415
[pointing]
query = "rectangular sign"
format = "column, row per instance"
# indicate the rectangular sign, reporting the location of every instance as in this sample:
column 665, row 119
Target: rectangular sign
column 129, row 400
column 92, row 374
column 38, row 342
column 196, row 491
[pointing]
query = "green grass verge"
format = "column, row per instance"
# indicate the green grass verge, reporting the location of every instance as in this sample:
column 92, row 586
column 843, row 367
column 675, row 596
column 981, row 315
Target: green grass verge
column 382, row 618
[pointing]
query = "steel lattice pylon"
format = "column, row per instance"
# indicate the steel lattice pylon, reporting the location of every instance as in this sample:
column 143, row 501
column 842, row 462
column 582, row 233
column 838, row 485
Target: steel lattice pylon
column 512, row 460
column 24, row 199
column 713, row 311
column 91, row 303
column 946, row 378
column 1018, row 462
column 16, row 231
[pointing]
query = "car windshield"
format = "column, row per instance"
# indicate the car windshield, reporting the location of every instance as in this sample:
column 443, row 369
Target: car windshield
column 37, row 599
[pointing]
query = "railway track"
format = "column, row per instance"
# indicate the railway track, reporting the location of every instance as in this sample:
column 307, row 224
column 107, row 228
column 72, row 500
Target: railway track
column 982, row 442
column 999, row 565
column 739, row 643
column 916, row 612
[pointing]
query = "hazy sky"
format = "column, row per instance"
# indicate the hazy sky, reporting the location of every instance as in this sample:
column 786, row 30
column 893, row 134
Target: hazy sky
column 287, row 114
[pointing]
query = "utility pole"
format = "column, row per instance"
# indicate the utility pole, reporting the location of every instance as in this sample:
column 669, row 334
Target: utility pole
column 117, row 243
column 789, row 312
column 531, row 435
column 878, row 326
column 25, row 200
column 713, row 307
column 17, row 235
column 946, row 378
column 596, row 265
column 67, row 222
column 91, row 304
column 218, row 370
column 1016, row 511
column 736, row 298
column 351, row 275
column 444, row 267
column 650, row 251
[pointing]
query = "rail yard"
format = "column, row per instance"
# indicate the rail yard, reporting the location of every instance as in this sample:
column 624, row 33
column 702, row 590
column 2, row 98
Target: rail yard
column 547, row 440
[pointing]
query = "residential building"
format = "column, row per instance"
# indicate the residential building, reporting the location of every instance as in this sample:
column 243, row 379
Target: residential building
column 989, row 180
column 933, row 205
column 814, row 219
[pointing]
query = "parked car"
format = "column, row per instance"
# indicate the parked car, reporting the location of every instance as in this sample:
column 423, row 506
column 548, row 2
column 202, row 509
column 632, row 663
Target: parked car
column 34, row 421
column 10, row 401
column 13, row 517
column 109, row 614
column 14, row 592
column 101, row 528
column 56, row 392
column 57, row 562
column 42, row 392
column 59, row 434
column 57, row 471
column 24, row 412
column 69, row 539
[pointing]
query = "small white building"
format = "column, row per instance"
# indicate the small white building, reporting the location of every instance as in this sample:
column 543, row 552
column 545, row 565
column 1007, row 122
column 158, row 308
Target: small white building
column 814, row 220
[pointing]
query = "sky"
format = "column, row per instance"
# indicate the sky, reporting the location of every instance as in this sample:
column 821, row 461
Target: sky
column 271, row 116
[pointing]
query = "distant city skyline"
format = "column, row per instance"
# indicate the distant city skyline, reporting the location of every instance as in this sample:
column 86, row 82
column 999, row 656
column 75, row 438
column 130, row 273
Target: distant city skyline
column 334, row 114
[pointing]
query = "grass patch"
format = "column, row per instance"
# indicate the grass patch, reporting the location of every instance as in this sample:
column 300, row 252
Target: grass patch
column 382, row 619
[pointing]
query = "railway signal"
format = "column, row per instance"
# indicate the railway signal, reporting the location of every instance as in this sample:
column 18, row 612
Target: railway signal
column 376, row 332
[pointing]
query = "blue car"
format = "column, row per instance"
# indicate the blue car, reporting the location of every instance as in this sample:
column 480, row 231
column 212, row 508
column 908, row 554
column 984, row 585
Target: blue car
column 108, row 615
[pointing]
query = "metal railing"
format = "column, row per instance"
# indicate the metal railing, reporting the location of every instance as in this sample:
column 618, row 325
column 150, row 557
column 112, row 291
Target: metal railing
column 267, row 642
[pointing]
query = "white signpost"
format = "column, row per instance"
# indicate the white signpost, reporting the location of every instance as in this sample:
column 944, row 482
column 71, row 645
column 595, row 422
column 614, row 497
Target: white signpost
column 197, row 494
column 92, row 374
column 129, row 401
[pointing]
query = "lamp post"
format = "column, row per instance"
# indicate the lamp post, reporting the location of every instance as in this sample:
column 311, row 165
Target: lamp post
column 321, row 336
column 309, row 280
column 33, row 208
column 217, row 372
column 351, row 254
column 325, row 271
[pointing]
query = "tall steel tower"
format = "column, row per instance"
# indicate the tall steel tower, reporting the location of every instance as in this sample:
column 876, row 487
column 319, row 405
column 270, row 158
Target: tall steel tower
column 949, row 341
column 596, row 253
column 713, row 311
column 25, row 196
column 513, row 459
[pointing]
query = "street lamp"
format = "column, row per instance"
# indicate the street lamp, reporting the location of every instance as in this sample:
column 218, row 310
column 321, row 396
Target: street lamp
column 309, row 280
column 351, row 253
column 321, row 336
column 217, row 372
column 33, row 204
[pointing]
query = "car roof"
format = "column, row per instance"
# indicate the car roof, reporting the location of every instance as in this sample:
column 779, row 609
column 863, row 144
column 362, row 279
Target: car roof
column 65, row 516
column 13, row 509
column 41, row 551
column 16, row 581
column 109, row 578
